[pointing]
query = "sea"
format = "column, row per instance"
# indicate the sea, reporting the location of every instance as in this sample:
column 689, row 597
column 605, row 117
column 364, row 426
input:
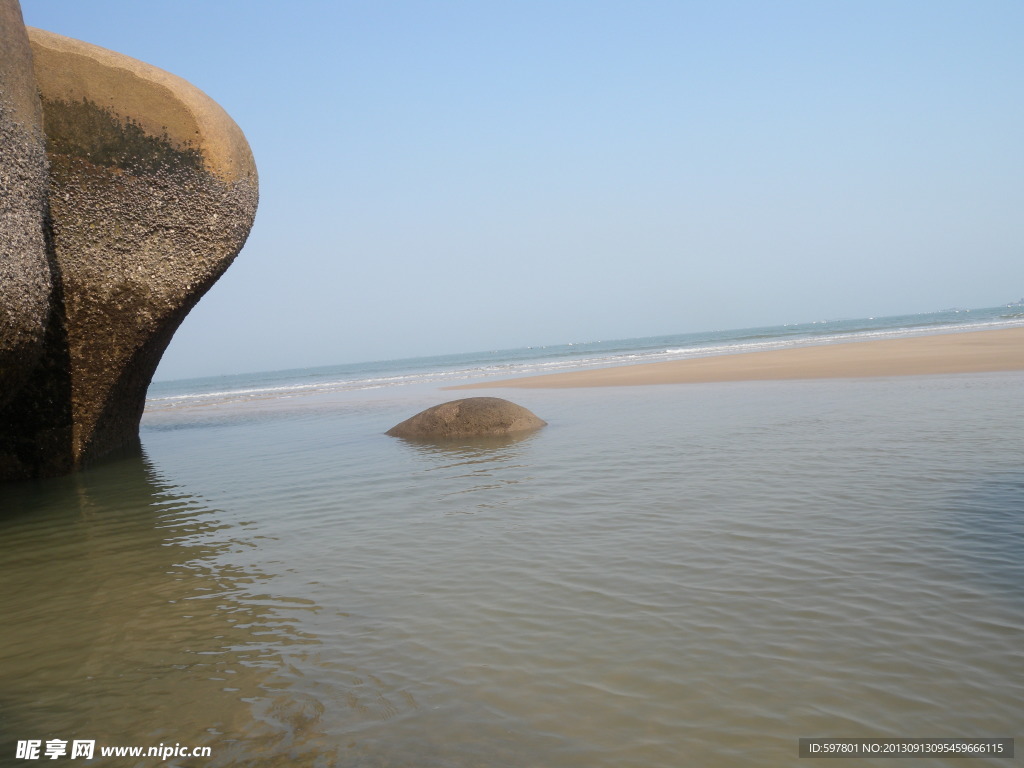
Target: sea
column 663, row 576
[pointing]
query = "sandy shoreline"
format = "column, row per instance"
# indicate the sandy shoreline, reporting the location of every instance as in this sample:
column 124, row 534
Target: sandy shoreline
column 968, row 352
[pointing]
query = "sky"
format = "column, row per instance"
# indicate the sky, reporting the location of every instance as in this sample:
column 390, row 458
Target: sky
column 443, row 176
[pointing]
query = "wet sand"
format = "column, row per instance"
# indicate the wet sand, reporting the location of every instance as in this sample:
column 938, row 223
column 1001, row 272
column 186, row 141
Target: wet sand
column 969, row 352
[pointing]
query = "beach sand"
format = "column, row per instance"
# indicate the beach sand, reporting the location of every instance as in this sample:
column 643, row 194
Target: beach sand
column 968, row 352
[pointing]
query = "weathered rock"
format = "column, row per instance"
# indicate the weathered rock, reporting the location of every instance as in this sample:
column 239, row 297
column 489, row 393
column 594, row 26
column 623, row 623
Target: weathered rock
column 471, row 417
column 25, row 281
column 152, row 192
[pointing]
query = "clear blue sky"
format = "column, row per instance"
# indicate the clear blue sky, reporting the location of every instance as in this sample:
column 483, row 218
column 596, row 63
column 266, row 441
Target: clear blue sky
column 446, row 176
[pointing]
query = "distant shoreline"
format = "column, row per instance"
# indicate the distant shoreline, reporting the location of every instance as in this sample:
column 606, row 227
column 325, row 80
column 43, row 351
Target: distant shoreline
column 957, row 352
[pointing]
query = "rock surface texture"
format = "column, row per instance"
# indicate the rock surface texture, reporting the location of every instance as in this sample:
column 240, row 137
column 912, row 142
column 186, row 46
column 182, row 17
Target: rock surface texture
column 152, row 192
column 25, row 280
column 471, row 417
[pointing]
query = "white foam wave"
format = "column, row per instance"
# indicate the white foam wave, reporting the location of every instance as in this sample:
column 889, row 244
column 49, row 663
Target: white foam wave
column 510, row 369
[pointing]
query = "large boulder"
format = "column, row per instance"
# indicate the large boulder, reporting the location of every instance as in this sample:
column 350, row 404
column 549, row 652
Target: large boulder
column 25, row 282
column 152, row 193
column 470, row 417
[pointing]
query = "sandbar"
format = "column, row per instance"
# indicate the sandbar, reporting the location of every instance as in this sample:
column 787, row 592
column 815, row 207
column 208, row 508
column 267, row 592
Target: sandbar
column 944, row 353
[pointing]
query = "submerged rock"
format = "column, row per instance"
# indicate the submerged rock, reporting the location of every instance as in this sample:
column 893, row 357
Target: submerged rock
column 470, row 417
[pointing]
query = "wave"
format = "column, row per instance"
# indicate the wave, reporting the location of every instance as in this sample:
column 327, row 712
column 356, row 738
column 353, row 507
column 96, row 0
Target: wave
column 560, row 358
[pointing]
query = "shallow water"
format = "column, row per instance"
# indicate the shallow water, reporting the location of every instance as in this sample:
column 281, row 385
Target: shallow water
column 663, row 576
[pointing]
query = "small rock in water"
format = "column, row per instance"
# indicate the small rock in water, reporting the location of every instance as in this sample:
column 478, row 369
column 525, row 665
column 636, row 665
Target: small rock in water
column 470, row 417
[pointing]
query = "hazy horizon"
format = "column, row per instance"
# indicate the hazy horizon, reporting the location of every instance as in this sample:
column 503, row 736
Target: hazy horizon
column 452, row 353
column 459, row 176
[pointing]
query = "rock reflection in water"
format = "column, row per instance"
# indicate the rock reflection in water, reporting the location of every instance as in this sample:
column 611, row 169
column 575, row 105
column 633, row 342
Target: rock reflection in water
column 475, row 473
column 131, row 616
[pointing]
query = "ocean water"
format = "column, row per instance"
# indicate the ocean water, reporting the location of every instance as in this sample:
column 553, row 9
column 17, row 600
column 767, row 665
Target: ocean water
column 674, row 575
column 453, row 369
